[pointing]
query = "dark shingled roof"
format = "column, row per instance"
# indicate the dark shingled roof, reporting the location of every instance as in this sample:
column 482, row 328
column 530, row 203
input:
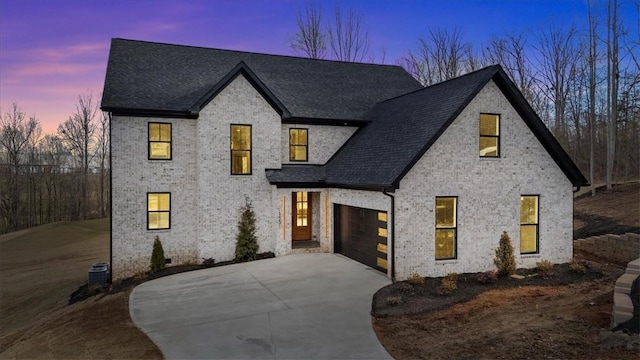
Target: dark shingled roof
column 174, row 80
column 402, row 119
column 402, row 129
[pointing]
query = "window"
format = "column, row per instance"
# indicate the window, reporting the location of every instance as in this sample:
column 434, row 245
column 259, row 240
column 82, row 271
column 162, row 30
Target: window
column 489, row 135
column 529, row 224
column 446, row 223
column 158, row 211
column 159, row 141
column 298, row 147
column 240, row 149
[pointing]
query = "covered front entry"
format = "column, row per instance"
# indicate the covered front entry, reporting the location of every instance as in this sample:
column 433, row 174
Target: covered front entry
column 302, row 216
column 361, row 234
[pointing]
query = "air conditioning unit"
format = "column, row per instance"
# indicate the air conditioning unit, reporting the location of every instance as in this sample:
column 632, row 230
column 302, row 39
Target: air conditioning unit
column 99, row 274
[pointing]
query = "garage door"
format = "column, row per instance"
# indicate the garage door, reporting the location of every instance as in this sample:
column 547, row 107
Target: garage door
column 361, row 234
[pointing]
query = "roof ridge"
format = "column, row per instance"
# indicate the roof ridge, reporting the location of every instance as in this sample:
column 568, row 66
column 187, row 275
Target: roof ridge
column 494, row 67
column 258, row 53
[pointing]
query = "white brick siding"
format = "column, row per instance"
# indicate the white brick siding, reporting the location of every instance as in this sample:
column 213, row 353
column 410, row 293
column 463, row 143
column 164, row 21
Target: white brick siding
column 133, row 175
column 323, row 141
column 488, row 191
column 220, row 194
column 206, row 198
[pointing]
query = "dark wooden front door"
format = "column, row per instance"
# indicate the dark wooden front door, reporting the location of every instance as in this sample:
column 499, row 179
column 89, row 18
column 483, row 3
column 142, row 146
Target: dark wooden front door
column 301, row 211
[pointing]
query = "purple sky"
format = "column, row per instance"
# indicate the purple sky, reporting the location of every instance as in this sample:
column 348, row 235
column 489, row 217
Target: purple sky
column 53, row 51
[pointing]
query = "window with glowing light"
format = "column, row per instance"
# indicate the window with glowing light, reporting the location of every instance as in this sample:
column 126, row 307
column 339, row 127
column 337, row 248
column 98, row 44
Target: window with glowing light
column 298, row 145
column 489, row 135
column 158, row 211
column 240, row 149
column 302, row 209
column 159, row 141
column 529, row 224
column 446, row 227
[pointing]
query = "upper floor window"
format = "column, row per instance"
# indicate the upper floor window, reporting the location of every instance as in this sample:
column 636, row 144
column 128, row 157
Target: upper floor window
column 446, row 227
column 159, row 141
column 529, row 224
column 158, row 211
column 489, row 135
column 240, row 149
column 298, row 146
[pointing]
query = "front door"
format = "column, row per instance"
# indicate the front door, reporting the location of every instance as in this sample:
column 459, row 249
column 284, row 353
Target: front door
column 301, row 211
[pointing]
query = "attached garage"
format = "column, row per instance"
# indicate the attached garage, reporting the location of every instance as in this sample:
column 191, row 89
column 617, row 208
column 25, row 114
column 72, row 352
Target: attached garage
column 361, row 234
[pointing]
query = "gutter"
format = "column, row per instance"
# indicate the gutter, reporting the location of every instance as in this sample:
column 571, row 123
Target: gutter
column 393, row 235
column 110, row 205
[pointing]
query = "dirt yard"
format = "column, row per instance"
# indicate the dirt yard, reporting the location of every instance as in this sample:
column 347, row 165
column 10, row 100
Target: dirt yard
column 39, row 269
column 530, row 321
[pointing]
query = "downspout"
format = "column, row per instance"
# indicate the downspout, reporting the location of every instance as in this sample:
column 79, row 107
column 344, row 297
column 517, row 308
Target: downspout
column 110, row 207
column 393, row 235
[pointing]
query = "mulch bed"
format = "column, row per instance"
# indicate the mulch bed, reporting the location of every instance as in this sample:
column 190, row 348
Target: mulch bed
column 84, row 292
column 402, row 298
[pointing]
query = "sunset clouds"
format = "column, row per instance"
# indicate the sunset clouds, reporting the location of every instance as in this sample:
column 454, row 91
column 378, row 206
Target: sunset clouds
column 53, row 51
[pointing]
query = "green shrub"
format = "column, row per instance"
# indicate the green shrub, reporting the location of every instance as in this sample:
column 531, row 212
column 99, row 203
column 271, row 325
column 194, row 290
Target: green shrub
column 450, row 282
column 504, row 260
column 415, row 279
column 544, row 265
column 246, row 240
column 157, row 256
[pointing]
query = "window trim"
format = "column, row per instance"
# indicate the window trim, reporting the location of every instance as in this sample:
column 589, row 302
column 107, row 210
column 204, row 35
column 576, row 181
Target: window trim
column 480, row 136
column 306, row 147
column 455, row 228
column 158, row 211
column 250, row 150
column 149, row 141
column 537, row 224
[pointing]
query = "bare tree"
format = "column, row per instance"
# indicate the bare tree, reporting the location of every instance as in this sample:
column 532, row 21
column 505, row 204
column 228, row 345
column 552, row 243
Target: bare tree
column 348, row 39
column 77, row 132
column 15, row 133
column 102, row 151
column 441, row 56
column 592, row 58
column 559, row 53
column 310, row 40
column 53, row 157
column 612, row 87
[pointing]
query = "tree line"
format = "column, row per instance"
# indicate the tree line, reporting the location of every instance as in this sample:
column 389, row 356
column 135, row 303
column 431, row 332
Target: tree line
column 583, row 80
column 53, row 177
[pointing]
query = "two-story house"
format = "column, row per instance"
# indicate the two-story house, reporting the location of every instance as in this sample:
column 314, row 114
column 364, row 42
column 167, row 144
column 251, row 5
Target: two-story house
column 351, row 158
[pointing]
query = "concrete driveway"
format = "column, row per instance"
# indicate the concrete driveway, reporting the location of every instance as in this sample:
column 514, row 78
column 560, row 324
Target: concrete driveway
column 306, row 306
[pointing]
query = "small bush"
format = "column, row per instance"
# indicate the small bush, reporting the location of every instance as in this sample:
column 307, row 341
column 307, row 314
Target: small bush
column 450, row 282
column 544, row 265
column 577, row 267
column 157, row 256
column 208, row 261
column 487, row 277
column 415, row 279
column 394, row 300
column 504, row 260
column 246, row 240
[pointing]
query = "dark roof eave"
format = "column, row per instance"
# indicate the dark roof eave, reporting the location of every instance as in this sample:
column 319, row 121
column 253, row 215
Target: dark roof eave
column 242, row 68
column 160, row 113
column 321, row 121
